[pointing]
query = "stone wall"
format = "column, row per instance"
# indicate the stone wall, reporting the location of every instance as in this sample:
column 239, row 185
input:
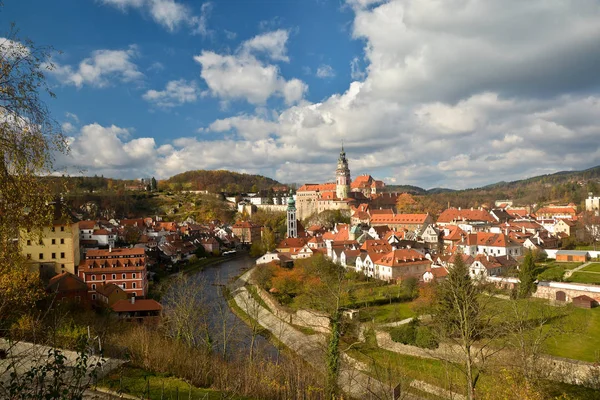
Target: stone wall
column 548, row 290
column 306, row 318
column 272, row 207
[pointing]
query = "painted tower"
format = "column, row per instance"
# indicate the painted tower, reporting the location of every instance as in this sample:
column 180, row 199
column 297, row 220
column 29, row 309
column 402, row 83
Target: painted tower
column 292, row 222
column 342, row 176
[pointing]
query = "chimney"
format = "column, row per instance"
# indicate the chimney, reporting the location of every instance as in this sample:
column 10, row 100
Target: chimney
column 132, row 299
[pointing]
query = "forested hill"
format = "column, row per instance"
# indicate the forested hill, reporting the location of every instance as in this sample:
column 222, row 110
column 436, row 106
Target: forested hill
column 219, row 181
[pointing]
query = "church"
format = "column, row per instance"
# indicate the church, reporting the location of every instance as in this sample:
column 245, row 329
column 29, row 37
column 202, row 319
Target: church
column 343, row 194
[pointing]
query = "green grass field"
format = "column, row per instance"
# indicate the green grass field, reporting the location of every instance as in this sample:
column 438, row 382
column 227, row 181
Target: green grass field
column 583, row 277
column 581, row 339
column 387, row 313
column 137, row 382
column 595, row 267
column 565, row 265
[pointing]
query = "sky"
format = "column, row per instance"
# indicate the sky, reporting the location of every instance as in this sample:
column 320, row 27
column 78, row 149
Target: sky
column 433, row 93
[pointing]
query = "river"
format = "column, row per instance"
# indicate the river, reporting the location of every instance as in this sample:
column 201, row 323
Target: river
column 224, row 325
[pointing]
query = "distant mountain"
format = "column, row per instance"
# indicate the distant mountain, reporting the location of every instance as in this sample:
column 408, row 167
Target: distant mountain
column 404, row 189
column 219, row 181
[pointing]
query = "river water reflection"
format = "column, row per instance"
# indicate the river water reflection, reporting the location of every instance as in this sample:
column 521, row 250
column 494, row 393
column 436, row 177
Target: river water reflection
column 224, row 325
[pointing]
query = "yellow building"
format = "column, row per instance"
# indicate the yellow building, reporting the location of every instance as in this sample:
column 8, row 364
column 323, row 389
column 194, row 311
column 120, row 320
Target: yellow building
column 58, row 248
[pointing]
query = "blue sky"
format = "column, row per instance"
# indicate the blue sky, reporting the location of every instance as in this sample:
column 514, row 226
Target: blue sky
column 455, row 93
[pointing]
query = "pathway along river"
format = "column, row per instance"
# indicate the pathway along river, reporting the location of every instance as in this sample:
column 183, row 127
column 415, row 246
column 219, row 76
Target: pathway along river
column 224, row 325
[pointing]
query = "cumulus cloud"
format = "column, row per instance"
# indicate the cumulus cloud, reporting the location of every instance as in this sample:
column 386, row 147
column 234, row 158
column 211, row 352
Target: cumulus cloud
column 452, row 94
column 243, row 76
column 103, row 68
column 273, row 44
column 168, row 13
column 325, row 71
column 175, row 93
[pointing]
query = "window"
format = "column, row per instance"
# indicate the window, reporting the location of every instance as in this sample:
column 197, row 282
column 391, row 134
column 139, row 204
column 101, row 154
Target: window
column 62, row 228
column 29, row 256
column 93, row 277
column 103, row 277
column 62, row 241
column 62, row 266
column 124, row 286
column 41, row 257
column 41, row 242
column 53, row 256
column 133, row 285
column 123, row 276
column 62, row 255
column 53, row 241
column 114, row 276
column 93, row 297
column 52, row 229
column 93, row 286
column 133, row 276
column 28, row 242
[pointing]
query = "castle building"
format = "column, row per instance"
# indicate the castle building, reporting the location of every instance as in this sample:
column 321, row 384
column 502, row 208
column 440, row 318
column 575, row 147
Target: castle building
column 339, row 195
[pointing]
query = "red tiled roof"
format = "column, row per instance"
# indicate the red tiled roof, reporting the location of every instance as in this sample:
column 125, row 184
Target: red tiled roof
column 454, row 214
column 314, row 187
column 138, row 305
column 398, row 258
column 66, row 282
column 557, row 210
column 87, row 224
column 116, row 252
column 398, row 219
column 291, row 242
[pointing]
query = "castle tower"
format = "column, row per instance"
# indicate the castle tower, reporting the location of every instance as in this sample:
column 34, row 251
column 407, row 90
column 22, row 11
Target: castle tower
column 342, row 176
column 292, row 222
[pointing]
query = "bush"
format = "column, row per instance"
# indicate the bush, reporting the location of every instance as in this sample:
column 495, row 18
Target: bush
column 425, row 338
column 405, row 334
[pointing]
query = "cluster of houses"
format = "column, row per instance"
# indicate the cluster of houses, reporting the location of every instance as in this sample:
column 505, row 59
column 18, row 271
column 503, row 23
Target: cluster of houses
column 82, row 260
column 392, row 246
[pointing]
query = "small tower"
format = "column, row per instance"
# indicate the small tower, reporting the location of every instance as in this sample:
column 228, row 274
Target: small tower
column 292, row 222
column 342, row 176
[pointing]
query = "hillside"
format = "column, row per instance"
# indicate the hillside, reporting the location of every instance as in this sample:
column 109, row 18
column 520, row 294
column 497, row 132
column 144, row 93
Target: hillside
column 219, row 181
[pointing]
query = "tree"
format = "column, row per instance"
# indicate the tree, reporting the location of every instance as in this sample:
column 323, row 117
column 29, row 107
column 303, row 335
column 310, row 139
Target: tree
column 464, row 317
column 527, row 276
column 153, row 185
column 28, row 139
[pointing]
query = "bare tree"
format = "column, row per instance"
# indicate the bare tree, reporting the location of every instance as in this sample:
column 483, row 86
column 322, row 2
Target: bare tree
column 185, row 311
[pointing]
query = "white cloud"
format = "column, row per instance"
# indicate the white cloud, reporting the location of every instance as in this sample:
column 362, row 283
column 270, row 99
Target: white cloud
column 9, row 49
column 356, row 73
column 325, row 71
column 271, row 43
column 175, row 93
column 243, row 76
column 168, row 13
column 67, row 127
column 102, row 69
column 107, row 150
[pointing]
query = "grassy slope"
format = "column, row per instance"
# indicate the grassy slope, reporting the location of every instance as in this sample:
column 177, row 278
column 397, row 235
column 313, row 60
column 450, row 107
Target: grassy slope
column 135, row 381
column 583, row 277
column 595, row 267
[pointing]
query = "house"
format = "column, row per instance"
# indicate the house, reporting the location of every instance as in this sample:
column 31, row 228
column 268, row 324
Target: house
column 109, row 294
column 138, row 309
column 454, row 216
column 434, row 274
column 400, row 264
column 566, row 226
column 572, row 256
column 494, row 244
column 286, row 245
column 557, row 212
column 247, row 232
column 67, row 286
column 316, row 242
column 210, row 244
column 348, row 257
column 501, row 215
column 431, row 235
column 484, row 266
column 410, row 222
column 365, row 263
column 125, row 267
column 56, row 250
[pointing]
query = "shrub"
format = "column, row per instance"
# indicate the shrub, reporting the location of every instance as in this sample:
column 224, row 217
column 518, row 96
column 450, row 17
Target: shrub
column 425, row 338
column 405, row 334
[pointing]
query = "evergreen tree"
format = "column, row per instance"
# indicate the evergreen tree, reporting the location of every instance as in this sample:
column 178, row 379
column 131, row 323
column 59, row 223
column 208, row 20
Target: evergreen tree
column 527, row 276
column 153, row 185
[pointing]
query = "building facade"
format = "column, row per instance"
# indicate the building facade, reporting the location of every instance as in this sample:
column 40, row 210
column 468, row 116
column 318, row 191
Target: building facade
column 342, row 177
column 125, row 267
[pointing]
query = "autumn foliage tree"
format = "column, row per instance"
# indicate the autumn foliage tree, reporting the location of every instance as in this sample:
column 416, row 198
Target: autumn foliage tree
column 28, row 139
